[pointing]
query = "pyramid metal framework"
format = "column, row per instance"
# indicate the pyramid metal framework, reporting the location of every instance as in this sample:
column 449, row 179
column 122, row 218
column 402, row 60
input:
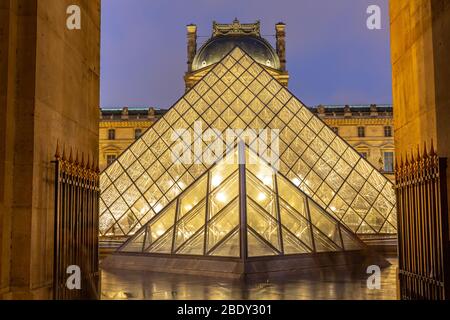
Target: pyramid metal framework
column 238, row 93
column 242, row 209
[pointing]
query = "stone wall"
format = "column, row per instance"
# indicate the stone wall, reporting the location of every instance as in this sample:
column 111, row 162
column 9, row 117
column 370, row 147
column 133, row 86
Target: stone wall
column 49, row 92
column 420, row 45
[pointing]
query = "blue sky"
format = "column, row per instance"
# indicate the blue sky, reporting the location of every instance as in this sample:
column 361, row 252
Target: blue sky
column 332, row 57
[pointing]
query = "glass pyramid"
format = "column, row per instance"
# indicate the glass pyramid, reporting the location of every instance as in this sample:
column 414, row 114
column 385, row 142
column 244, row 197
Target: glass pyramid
column 216, row 217
column 238, row 93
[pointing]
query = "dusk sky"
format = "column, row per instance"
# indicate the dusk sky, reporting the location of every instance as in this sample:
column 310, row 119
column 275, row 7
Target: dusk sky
column 332, row 57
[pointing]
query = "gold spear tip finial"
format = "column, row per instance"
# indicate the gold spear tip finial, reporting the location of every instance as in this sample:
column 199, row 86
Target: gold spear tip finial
column 432, row 152
column 82, row 160
column 57, row 154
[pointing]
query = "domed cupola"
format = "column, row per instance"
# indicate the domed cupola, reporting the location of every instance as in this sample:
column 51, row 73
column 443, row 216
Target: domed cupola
column 226, row 37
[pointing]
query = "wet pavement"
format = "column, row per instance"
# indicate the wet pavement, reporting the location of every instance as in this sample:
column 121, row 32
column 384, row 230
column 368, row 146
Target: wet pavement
column 124, row 284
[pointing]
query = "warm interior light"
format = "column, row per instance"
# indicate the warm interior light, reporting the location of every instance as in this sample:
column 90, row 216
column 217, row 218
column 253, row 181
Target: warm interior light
column 267, row 180
column 333, row 208
column 221, row 197
column 144, row 209
column 296, row 181
column 216, row 180
column 158, row 207
column 188, row 207
column 159, row 232
column 261, row 196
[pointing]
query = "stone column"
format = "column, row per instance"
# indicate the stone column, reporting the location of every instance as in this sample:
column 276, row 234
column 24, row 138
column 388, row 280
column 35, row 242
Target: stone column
column 49, row 92
column 420, row 47
column 280, row 29
column 191, row 44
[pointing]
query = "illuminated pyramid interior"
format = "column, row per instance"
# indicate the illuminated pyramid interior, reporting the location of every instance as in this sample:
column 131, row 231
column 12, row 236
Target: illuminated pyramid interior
column 243, row 210
column 314, row 164
column 276, row 217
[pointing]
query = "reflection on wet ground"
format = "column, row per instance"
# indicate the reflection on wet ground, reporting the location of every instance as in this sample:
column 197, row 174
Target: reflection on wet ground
column 124, row 284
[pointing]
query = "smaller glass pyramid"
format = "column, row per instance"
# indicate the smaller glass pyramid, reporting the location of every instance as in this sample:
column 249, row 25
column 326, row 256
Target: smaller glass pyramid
column 242, row 209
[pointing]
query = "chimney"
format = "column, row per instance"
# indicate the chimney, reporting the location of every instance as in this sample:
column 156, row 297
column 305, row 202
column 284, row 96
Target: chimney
column 124, row 115
column 280, row 29
column 151, row 114
column 191, row 44
column 373, row 110
column 321, row 111
column 347, row 111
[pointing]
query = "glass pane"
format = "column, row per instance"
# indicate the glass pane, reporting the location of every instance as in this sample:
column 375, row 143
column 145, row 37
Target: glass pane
column 161, row 224
column 360, row 205
column 291, row 245
column 128, row 221
column 323, row 244
column 364, row 168
column 122, row 183
column 388, row 228
column 119, row 208
column 263, row 224
column 324, row 223
column 292, row 197
column 189, row 225
column 223, row 194
column 163, row 245
column 330, row 157
column 131, row 195
column 338, row 207
column 369, row 193
column 257, row 248
column 296, row 224
column 194, row 246
column 193, row 197
column 383, row 206
column 223, row 169
column 223, row 224
column 364, row 228
column 135, row 245
column 229, row 248
column 262, row 196
column 347, row 193
column 356, row 181
column 374, row 219
column 260, row 169
column 352, row 220
column 325, row 194
column 350, row 241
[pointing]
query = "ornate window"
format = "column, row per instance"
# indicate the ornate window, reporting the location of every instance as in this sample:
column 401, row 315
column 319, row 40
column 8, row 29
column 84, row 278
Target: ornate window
column 137, row 133
column 388, row 162
column 361, row 132
column 111, row 134
column 388, row 131
column 110, row 158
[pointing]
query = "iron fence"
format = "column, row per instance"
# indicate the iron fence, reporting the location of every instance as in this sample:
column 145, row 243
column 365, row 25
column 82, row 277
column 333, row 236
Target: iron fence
column 76, row 227
column 423, row 232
